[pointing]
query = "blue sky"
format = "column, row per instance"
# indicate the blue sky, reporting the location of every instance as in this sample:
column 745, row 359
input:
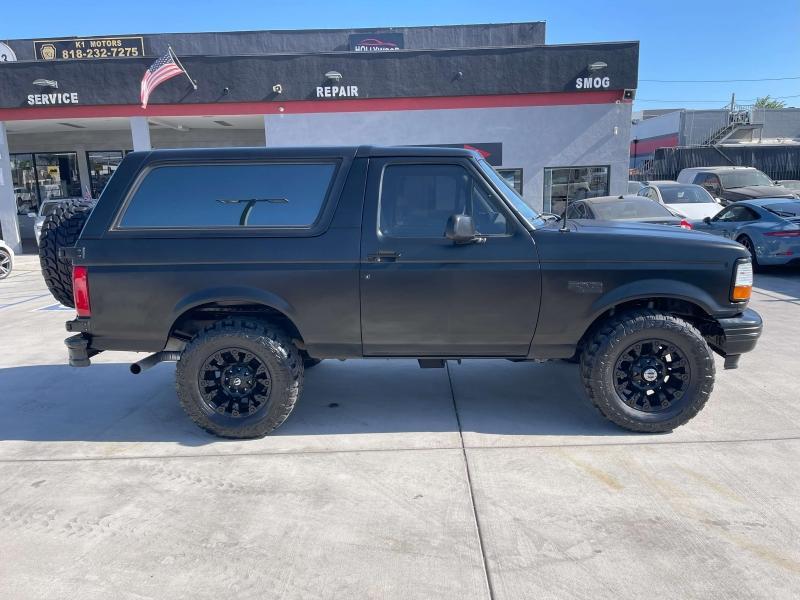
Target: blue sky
column 699, row 40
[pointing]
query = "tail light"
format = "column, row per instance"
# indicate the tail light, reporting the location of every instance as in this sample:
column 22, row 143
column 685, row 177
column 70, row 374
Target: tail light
column 783, row 233
column 80, row 291
column 742, row 281
column 685, row 224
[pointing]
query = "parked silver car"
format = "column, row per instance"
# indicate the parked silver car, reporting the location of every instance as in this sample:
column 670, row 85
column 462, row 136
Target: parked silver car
column 768, row 227
column 47, row 207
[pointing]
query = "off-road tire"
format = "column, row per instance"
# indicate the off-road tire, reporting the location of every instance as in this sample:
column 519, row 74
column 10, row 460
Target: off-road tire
column 271, row 346
column 61, row 229
column 610, row 341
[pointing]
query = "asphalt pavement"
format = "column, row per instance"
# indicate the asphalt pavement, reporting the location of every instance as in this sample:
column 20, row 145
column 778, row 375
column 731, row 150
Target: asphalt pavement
column 488, row 479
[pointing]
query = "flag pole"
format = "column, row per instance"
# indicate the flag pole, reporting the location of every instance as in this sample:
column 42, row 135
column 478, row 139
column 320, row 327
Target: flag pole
column 185, row 72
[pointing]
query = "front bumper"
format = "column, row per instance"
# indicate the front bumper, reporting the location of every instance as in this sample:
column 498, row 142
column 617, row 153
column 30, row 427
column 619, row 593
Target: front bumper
column 736, row 335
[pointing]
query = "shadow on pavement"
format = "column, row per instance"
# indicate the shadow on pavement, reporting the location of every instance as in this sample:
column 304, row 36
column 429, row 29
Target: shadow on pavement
column 106, row 403
column 781, row 280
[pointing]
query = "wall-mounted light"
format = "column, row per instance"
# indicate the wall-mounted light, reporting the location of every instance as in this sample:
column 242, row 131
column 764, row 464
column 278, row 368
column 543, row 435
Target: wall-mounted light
column 597, row 66
column 333, row 75
column 46, row 83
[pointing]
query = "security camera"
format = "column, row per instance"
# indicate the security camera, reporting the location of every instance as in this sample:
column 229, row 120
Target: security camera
column 277, row 88
column 629, row 94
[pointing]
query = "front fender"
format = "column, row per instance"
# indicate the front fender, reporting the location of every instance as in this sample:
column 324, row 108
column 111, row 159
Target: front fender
column 654, row 288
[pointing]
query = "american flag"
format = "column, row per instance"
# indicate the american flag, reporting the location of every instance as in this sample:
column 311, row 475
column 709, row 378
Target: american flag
column 161, row 70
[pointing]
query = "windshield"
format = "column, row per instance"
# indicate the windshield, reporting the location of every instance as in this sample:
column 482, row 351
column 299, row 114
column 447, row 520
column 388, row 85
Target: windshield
column 685, row 194
column 787, row 210
column 48, row 208
column 629, row 208
column 736, row 179
column 510, row 193
column 792, row 184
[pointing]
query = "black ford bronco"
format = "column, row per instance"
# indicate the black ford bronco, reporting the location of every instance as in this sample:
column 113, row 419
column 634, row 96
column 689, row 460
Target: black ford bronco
column 249, row 265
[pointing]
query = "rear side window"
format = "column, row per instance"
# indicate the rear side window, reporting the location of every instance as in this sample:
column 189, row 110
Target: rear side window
column 229, row 195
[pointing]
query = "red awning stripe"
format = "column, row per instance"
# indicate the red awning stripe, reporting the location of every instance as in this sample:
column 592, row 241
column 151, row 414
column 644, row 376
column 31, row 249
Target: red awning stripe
column 650, row 145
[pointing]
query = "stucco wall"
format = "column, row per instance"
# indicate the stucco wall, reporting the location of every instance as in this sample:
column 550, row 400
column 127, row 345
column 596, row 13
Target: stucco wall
column 533, row 137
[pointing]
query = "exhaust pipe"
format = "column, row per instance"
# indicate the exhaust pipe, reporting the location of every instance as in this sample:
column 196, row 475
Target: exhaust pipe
column 152, row 360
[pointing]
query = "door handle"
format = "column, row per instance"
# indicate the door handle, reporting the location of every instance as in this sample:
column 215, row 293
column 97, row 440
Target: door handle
column 383, row 256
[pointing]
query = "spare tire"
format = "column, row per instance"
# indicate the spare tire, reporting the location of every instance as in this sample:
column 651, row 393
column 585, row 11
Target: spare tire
column 61, row 229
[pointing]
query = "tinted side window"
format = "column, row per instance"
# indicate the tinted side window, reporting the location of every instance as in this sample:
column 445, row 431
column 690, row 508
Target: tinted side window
column 230, row 195
column 417, row 201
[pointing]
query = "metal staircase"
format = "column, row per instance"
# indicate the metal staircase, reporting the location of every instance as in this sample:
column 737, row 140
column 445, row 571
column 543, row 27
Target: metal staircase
column 739, row 118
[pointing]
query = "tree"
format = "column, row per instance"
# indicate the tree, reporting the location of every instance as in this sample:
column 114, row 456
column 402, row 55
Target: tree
column 767, row 102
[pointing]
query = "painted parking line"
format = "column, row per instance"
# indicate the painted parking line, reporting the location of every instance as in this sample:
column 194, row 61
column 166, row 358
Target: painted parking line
column 52, row 307
column 23, row 301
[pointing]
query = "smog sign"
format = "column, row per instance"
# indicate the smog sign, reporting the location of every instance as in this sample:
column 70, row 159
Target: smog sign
column 89, row 48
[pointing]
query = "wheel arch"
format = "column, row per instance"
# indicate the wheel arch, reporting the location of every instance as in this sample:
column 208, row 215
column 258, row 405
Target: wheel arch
column 683, row 299
column 192, row 312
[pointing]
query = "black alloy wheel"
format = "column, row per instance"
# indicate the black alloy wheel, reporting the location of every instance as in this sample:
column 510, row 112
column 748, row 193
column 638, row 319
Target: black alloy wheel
column 651, row 375
column 234, row 382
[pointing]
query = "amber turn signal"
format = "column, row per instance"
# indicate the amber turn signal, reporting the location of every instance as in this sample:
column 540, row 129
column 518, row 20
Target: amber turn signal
column 741, row 293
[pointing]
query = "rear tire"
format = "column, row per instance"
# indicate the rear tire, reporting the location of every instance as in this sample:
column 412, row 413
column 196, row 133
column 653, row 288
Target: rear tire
column 748, row 243
column 647, row 371
column 239, row 378
column 61, row 229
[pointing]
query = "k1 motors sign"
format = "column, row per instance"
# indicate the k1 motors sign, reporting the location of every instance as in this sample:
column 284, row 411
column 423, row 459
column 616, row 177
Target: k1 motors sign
column 376, row 42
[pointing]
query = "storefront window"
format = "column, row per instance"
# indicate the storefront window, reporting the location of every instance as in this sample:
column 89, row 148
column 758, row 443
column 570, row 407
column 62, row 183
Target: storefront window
column 513, row 178
column 23, row 175
column 101, row 167
column 57, row 174
column 575, row 183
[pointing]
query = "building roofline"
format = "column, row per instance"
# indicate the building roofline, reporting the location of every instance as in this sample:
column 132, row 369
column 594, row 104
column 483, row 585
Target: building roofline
column 385, row 29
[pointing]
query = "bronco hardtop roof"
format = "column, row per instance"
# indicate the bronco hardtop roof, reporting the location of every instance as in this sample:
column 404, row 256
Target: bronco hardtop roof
column 302, row 152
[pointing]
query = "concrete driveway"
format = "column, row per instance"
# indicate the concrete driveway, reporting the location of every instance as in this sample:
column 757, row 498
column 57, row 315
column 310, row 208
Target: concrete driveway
column 485, row 480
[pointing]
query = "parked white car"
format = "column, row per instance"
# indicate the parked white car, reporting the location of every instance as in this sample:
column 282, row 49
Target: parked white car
column 6, row 260
column 689, row 200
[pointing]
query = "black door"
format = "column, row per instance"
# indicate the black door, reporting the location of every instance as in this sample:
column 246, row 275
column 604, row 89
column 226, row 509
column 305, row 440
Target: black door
column 423, row 295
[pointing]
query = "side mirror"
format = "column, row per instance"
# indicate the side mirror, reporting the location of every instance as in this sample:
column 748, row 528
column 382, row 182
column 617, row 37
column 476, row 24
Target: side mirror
column 707, row 220
column 460, row 229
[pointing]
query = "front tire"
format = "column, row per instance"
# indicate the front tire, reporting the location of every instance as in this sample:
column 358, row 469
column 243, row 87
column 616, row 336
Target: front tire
column 239, row 378
column 648, row 371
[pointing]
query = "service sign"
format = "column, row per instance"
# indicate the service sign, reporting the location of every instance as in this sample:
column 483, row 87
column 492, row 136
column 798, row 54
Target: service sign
column 89, row 48
column 376, row 42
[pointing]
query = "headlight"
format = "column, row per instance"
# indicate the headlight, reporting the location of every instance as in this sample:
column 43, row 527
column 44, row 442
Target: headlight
column 742, row 280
